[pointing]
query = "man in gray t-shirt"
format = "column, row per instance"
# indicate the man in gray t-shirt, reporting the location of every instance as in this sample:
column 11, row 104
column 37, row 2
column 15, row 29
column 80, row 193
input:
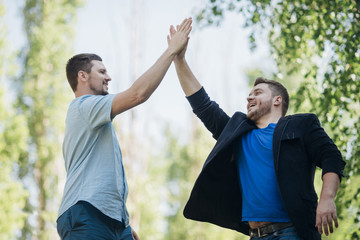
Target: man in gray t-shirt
column 94, row 200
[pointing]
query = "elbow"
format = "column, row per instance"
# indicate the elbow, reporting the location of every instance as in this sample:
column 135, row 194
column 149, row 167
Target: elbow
column 140, row 98
column 138, row 94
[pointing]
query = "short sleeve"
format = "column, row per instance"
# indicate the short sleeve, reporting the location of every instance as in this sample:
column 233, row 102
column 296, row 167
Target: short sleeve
column 96, row 109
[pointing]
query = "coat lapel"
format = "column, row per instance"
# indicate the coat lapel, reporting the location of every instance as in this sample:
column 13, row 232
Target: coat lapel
column 278, row 133
column 237, row 126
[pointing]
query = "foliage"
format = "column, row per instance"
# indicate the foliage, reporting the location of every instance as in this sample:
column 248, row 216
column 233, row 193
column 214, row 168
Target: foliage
column 42, row 97
column 319, row 41
column 12, row 150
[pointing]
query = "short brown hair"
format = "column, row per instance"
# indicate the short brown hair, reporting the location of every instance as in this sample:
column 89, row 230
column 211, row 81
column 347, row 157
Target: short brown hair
column 277, row 89
column 79, row 62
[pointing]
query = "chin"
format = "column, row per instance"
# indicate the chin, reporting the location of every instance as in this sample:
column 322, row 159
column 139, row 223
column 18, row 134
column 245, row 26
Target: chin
column 252, row 116
column 249, row 115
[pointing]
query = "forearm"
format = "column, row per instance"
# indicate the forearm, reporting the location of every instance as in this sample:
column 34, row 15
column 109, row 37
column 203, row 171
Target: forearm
column 326, row 210
column 330, row 186
column 147, row 83
column 188, row 81
column 144, row 86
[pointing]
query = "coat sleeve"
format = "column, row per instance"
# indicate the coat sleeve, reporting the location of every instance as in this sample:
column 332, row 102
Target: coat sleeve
column 209, row 112
column 322, row 149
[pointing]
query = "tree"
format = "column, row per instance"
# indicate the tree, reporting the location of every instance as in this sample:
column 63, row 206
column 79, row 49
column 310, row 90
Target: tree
column 12, row 149
column 318, row 40
column 42, row 97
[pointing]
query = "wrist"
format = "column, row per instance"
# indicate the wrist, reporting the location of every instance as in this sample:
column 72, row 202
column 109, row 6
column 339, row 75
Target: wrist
column 327, row 196
column 179, row 60
column 171, row 52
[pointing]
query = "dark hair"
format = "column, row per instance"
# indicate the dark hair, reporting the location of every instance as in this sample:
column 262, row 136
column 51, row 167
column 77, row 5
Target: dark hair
column 277, row 89
column 79, row 62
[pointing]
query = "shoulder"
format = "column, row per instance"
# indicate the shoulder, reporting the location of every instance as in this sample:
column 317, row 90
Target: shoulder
column 95, row 98
column 301, row 117
column 302, row 120
column 239, row 115
column 92, row 100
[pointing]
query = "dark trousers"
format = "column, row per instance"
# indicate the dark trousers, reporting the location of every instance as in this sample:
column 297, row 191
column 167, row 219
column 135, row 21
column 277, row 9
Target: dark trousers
column 84, row 221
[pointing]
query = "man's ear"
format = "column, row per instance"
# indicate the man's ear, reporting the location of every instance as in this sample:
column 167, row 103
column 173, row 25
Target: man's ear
column 82, row 76
column 277, row 100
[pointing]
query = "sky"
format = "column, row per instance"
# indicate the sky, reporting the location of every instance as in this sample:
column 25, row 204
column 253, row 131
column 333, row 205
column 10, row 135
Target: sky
column 130, row 35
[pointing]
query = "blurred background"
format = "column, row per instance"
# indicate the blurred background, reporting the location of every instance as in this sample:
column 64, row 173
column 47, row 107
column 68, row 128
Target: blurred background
column 312, row 47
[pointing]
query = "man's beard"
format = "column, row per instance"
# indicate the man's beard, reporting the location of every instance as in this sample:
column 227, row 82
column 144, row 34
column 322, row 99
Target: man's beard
column 98, row 92
column 260, row 112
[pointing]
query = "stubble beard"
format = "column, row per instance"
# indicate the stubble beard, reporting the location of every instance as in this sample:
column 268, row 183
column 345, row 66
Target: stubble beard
column 98, row 91
column 260, row 112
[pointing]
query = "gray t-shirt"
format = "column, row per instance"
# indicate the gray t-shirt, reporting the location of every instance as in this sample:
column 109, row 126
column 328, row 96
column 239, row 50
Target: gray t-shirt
column 93, row 159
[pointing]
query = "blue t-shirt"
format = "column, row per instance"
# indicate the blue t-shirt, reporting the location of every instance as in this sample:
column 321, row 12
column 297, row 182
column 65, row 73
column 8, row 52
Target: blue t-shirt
column 93, row 158
column 260, row 192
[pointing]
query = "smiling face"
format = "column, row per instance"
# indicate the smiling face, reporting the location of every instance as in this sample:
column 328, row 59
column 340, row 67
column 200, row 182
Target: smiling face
column 260, row 101
column 98, row 79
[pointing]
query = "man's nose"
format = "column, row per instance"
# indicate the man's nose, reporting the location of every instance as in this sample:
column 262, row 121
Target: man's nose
column 250, row 97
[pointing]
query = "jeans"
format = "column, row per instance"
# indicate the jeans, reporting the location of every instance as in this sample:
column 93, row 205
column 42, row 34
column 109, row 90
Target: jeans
column 84, row 221
column 283, row 234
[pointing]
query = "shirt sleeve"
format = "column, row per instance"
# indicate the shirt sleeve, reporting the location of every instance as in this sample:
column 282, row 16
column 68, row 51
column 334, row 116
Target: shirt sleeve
column 323, row 150
column 209, row 112
column 96, row 109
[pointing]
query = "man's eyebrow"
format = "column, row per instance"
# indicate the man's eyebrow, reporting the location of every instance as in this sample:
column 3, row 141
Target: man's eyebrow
column 256, row 90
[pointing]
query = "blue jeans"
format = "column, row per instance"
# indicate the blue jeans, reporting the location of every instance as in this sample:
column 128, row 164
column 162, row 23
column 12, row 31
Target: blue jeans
column 283, row 234
column 84, row 221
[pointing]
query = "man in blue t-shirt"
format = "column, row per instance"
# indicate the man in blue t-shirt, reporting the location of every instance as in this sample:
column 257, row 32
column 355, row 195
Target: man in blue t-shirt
column 94, row 200
column 258, row 179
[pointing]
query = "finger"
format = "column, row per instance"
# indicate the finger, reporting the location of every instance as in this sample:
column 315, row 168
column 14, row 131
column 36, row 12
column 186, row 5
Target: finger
column 172, row 30
column 183, row 22
column 330, row 224
column 135, row 236
column 186, row 25
column 168, row 39
column 187, row 32
column 334, row 216
column 319, row 228
column 325, row 226
column 318, row 224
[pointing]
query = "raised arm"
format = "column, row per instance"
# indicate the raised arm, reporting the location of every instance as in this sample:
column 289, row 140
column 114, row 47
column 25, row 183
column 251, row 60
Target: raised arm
column 209, row 112
column 188, row 81
column 145, row 85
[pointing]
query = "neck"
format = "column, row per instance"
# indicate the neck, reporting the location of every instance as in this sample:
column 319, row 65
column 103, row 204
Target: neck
column 266, row 120
column 78, row 94
column 82, row 91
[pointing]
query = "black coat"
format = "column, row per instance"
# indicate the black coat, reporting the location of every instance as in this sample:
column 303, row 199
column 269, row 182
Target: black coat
column 299, row 145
